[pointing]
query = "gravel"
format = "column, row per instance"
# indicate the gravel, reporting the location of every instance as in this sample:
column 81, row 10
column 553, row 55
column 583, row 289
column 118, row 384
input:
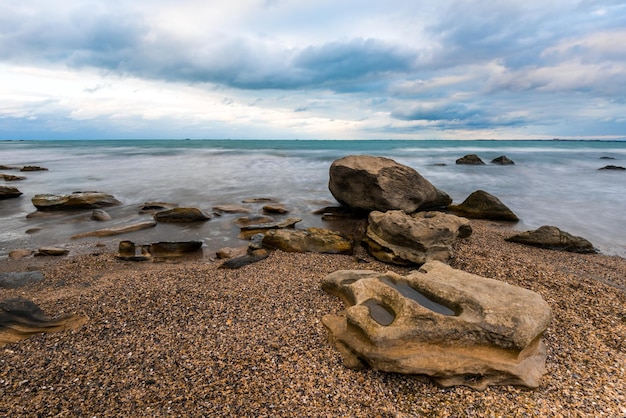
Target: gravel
column 189, row 339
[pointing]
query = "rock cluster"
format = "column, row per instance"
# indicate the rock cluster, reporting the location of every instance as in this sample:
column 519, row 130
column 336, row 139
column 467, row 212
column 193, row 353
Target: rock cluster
column 458, row 328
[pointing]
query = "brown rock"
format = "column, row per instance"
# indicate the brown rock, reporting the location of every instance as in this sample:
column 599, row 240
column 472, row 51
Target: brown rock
column 109, row 232
column 153, row 207
column 318, row 240
column 74, row 201
column 10, row 177
column 19, row 254
column 553, row 238
column 182, row 215
column 232, row 208
column 33, row 168
column 9, row 192
column 100, row 215
column 502, row 160
column 482, row 205
column 51, row 251
column 275, row 209
column 458, row 328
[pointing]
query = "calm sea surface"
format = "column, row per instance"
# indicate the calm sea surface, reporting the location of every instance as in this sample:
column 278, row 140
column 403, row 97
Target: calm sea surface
column 552, row 182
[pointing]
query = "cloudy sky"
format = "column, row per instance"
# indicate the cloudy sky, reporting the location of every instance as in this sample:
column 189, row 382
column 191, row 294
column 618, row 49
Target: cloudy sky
column 340, row 69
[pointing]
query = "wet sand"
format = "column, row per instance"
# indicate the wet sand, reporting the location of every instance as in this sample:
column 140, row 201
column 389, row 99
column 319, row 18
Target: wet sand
column 189, row 339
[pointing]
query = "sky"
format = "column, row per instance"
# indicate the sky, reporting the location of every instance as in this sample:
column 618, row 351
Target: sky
column 298, row 69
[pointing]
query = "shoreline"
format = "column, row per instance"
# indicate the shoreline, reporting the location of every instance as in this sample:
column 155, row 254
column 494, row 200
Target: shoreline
column 186, row 338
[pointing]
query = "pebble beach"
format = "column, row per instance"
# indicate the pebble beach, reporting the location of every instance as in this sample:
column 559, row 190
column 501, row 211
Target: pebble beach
column 189, row 339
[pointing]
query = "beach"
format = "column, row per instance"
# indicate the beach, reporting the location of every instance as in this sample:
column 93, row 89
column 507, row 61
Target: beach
column 189, row 339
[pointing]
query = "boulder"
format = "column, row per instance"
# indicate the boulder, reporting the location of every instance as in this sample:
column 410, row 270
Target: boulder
column 20, row 318
column 13, row 280
column 458, row 328
column 74, row 201
column 482, row 205
column 553, row 238
column 7, row 192
column 470, row 159
column 502, row 160
column 100, row 215
column 182, row 215
column 318, row 240
column 118, row 230
column 398, row 238
column 367, row 183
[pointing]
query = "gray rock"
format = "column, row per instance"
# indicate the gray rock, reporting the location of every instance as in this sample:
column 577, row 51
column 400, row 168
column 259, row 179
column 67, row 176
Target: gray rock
column 318, row 240
column 398, row 238
column 74, row 201
column 182, row 215
column 613, row 167
column 470, row 159
column 367, row 183
column 482, row 205
column 13, row 280
column 553, row 238
column 458, row 328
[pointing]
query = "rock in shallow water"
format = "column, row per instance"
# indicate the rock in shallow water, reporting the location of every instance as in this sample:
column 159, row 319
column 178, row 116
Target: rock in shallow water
column 491, row 335
column 74, row 201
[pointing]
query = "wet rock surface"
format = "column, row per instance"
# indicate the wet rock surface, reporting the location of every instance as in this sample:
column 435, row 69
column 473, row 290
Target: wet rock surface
column 490, row 336
column 483, row 205
column 117, row 230
column 182, row 215
column 74, row 201
column 7, row 192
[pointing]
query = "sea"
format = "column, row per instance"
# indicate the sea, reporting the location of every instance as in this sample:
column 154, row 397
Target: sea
column 552, row 182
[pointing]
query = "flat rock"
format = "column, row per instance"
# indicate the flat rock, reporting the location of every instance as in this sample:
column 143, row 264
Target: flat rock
column 243, row 260
column 51, row 251
column 229, row 252
column 250, row 230
column 259, row 200
column 276, row 209
column 7, row 192
column 153, row 207
column 482, row 205
column 13, row 280
column 398, row 238
column 613, row 167
column 33, row 168
column 20, row 253
column 74, row 201
column 318, row 240
column 553, row 238
column 118, row 230
column 253, row 220
column 182, row 215
column 129, row 251
column 11, row 177
column 458, row 328
column 20, row 318
column 470, row 159
column 232, row 208
column 368, row 183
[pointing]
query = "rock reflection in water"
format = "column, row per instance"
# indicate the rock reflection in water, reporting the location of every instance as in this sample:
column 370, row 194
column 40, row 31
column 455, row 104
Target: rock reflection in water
column 379, row 312
column 407, row 291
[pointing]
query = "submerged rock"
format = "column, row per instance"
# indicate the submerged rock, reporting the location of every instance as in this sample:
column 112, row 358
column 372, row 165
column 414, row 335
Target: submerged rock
column 458, row 328
column 553, row 238
column 74, row 201
column 277, row 209
column 367, row 183
column 482, row 205
column 470, row 159
column 249, row 230
column 33, row 168
column 398, row 238
column 613, row 167
column 231, row 208
column 154, row 207
column 20, row 318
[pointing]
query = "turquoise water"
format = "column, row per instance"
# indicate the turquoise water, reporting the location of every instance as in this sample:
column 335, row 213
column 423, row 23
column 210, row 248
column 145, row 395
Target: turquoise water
column 552, row 182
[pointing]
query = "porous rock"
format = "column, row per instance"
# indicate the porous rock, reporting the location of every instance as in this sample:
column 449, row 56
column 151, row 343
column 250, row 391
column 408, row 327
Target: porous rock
column 490, row 336
column 400, row 238
column 483, row 205
column 20, row 318
column 318, row 240
column 553, row 238
column 74, row 201
column 182, row 215
column 368, row 183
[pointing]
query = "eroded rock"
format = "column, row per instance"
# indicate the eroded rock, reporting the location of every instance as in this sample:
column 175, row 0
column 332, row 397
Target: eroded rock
column 553, row 238
column 398, row 238
column 20, row 318
column 483, row 205
column 367, row 183
column 489, row 335
column 318, row 240
column 11, row 177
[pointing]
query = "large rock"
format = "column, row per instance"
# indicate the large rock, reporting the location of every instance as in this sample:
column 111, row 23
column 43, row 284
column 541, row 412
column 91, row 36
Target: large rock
column 553, row 238
column 182, row 215
column 74, row 201
column 458, row 328
column 318, row 240
column 367, row 183
column 482, row 205
column 20, row 318
column 398, row 238
column 7, row 192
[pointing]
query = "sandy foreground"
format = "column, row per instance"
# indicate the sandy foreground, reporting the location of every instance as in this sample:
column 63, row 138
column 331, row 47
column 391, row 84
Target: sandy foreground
column 189, row 339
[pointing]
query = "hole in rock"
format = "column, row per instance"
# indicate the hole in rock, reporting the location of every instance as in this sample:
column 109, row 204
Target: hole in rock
column 379, row 312
column 409, row 292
